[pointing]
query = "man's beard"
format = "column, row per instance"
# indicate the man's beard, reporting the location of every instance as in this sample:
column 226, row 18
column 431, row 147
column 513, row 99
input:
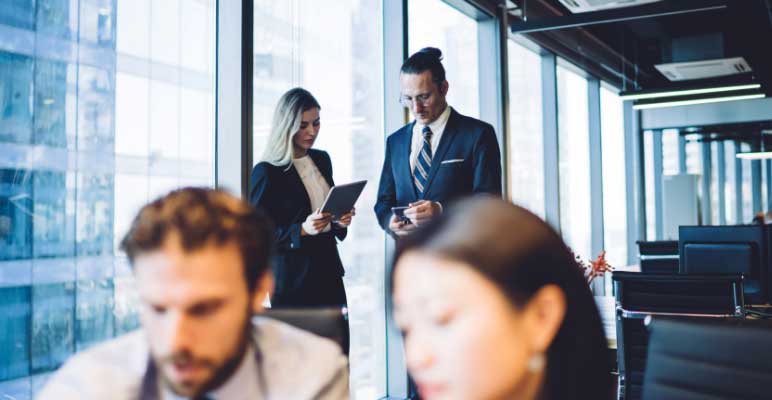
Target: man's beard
column 220, row 374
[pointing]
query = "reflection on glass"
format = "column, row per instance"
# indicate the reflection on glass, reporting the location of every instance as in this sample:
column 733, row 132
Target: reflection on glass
column 729, row 187
column 57, row 18
column 50, row 103
column 648, row 165
column 95, row 109
column 53, row 325
column 15, row 307
column 15, row 208
column 18, row 14
column 93, row 312
column 526, row 141
column 714, row 182
column 54, row 232
column 126, row 308
column 693, row 157
column 574, row 161
column 334, row 50
column 75, row 139
column 97, row 22
column 614, row 192
column 670, row 151
column 747, row 189
column 15, row 91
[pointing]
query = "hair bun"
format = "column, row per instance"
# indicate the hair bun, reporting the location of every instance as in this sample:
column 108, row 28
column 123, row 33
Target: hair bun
column 432, row 52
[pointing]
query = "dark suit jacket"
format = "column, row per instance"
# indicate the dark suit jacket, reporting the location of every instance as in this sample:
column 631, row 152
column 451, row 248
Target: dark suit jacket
column 467, row 161
column 281, row 194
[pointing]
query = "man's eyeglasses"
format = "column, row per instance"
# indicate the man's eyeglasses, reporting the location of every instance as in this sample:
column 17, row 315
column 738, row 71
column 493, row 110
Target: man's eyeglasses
column 422, row 99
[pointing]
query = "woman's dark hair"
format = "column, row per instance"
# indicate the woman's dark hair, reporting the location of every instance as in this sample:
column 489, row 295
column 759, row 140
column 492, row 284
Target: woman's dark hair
column 426, row 59
column 520, row 253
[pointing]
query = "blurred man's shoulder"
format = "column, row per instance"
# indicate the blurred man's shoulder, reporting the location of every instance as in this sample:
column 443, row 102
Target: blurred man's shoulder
column 112, row 369
column 291, row 355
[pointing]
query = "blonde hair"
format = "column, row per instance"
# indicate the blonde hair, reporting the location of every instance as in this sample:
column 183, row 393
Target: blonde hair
column 286, row 122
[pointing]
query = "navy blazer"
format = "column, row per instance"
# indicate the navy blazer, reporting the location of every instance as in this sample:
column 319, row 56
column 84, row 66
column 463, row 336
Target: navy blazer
column 281, row 194
column 467, row 161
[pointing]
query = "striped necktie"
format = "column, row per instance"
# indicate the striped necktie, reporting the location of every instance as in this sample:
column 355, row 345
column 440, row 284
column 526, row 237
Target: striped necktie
column 424, row 162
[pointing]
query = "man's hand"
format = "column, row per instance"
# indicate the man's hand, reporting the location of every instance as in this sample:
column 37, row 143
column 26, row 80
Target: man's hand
column 400, row 228
column 422, row 211
column 345, row 219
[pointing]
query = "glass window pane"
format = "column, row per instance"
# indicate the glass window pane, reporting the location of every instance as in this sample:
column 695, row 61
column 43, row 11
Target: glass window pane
column 747, row 189
column 714, row 182
column 434, row 23
column 83, row 141
column 648, row 160
column 693, row 156
column 670, row 152
column 729, row 188
column 15, row 93
column 333, row 49
column 614, row 192
column 574, row 161
column 526, row 141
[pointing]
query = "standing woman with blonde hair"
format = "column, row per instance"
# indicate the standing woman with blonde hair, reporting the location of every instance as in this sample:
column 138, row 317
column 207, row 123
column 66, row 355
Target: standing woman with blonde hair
column 290, row 184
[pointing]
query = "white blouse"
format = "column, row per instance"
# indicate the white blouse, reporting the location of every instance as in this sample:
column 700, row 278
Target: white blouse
column 315, row 184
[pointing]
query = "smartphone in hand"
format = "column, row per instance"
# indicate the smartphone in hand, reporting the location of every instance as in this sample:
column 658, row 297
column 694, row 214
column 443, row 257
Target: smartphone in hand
column 399, row 212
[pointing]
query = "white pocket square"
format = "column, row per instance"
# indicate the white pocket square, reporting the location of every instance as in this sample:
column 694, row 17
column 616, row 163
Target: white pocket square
column 455, row 160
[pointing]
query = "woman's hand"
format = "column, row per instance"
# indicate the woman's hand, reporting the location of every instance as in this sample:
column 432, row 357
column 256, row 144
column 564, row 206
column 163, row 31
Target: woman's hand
column 345, row 219
column 315, row 223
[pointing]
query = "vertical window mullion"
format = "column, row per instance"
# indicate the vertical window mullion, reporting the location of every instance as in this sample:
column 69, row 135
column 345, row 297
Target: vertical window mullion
column 550, row 131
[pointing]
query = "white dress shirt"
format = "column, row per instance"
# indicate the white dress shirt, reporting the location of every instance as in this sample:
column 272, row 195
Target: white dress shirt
column 294, row 364
column 437, row 127
column 315, row 184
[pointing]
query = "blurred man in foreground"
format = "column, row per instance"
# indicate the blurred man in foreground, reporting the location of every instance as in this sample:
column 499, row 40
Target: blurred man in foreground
column 200, row 260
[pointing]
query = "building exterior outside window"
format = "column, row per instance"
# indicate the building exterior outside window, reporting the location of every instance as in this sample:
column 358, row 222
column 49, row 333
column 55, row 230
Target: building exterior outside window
column 104, row 104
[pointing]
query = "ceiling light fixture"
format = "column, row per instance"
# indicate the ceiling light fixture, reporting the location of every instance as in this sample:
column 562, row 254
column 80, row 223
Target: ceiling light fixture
column 687, row 92
column 674, row 103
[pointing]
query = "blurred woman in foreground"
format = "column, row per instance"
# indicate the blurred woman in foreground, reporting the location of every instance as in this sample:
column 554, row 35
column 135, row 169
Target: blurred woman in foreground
column 493, row 306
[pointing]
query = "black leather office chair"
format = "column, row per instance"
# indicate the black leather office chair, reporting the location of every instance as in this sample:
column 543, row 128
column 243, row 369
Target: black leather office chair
column 658, row 257
column 721, row 360
column 329, row 322
column 639, row 296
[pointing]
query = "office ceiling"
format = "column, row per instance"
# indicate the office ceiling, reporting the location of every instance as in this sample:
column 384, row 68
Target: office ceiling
column 626, row 50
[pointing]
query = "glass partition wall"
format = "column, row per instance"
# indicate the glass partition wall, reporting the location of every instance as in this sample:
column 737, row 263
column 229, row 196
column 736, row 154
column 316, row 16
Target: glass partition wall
column 105, row 105
column 730, row 190
column 334, row 50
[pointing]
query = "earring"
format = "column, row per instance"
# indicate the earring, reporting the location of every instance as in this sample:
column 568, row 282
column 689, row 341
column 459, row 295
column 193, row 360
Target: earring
column 536, row 362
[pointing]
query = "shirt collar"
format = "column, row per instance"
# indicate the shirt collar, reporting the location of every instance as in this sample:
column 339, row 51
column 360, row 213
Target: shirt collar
column 438, row 124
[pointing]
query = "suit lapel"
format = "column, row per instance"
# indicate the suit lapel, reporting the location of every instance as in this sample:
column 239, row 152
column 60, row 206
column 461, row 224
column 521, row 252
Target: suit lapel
column 316, row 157
column 294, row 182
column 446, row 140
column 403, row 158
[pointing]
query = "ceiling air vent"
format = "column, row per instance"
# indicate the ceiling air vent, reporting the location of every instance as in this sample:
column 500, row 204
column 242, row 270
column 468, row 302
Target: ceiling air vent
column 704, row 69
column 580, row 6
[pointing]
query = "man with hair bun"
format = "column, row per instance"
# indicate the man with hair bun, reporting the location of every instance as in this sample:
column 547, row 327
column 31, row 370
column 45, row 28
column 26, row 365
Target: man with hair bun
column 436, row 159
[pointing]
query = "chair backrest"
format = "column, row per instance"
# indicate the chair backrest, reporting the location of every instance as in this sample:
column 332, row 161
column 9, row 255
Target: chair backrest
column 642, row 295
column 328, row 322
column 658, row 257
column 717, row 360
